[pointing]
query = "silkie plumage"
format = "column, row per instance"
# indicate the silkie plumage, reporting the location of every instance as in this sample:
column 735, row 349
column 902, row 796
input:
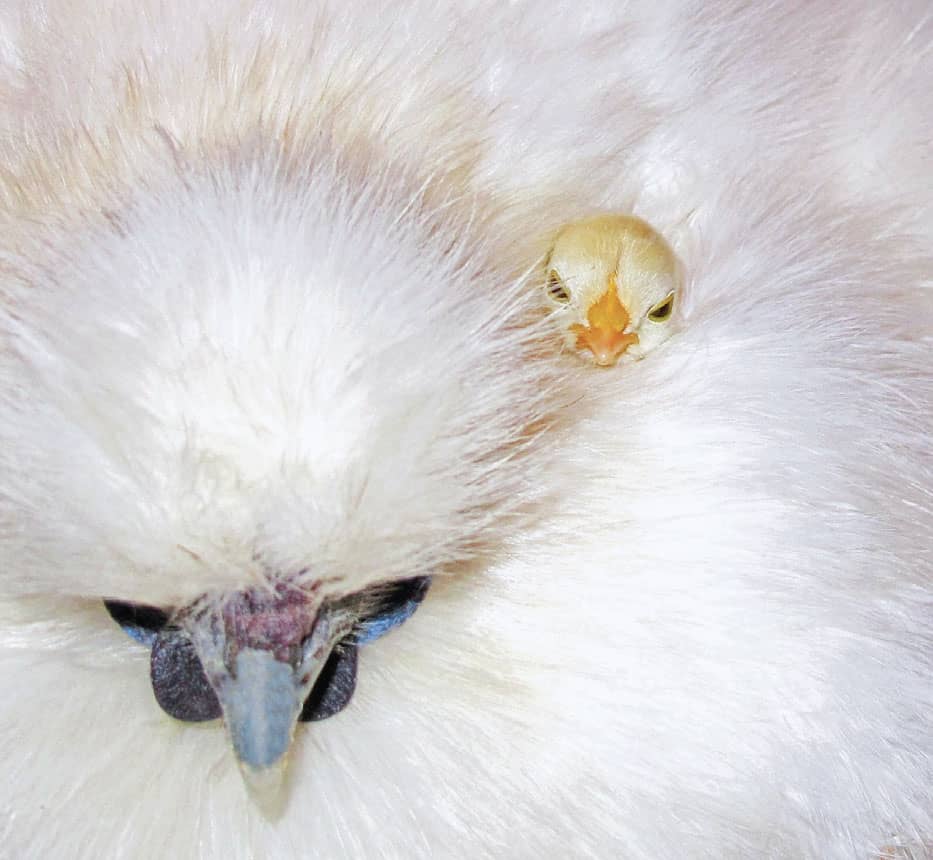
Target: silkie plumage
column 270, row 280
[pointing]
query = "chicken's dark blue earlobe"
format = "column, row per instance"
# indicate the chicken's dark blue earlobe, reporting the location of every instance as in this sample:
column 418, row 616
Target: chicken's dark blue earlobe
column 396, row 606
column 334, row 687
column 181, row 688
column 178, row 681
column 143, row 623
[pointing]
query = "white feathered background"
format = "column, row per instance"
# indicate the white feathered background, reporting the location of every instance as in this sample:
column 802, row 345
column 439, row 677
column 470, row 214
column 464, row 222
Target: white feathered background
column 269, row 281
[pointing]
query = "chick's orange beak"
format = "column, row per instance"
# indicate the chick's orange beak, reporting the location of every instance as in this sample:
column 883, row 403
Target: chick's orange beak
column 605, row 335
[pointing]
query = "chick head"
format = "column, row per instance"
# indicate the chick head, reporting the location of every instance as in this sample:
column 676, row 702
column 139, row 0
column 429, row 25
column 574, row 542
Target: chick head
column 613, row 284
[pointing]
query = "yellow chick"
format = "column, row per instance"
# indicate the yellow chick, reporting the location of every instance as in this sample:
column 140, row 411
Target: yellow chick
column 614, row 284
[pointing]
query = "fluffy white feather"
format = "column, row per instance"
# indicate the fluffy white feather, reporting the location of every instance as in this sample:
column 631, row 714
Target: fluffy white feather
column 260, row 266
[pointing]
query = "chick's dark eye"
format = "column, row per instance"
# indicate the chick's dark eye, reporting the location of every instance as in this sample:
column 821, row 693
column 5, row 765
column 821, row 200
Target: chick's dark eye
column 663, row 310
column 556, row 288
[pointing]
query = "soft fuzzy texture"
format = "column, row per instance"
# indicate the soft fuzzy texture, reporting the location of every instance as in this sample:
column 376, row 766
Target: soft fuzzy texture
column 263, row 308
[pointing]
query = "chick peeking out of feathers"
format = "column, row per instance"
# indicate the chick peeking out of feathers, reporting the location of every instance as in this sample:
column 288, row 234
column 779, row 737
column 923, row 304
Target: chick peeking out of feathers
column 614, row 286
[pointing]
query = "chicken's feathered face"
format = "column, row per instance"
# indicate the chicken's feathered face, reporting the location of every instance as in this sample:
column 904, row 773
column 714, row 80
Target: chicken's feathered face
column 255, row 412
column 613, row 285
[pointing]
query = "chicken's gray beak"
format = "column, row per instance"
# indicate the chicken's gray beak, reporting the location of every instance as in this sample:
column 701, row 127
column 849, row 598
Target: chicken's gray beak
column 262, row 653
column 263, row 659
column 261, row 701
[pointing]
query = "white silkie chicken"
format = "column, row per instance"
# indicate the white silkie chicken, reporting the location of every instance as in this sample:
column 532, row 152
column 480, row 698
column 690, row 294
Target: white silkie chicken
column 275, row 378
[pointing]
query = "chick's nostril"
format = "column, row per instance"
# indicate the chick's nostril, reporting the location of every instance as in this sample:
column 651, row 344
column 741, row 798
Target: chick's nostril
column 605, row 345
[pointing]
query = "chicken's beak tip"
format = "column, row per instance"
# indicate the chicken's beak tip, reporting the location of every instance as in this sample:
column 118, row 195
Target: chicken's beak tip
column 266, row 787
column 261, row 707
